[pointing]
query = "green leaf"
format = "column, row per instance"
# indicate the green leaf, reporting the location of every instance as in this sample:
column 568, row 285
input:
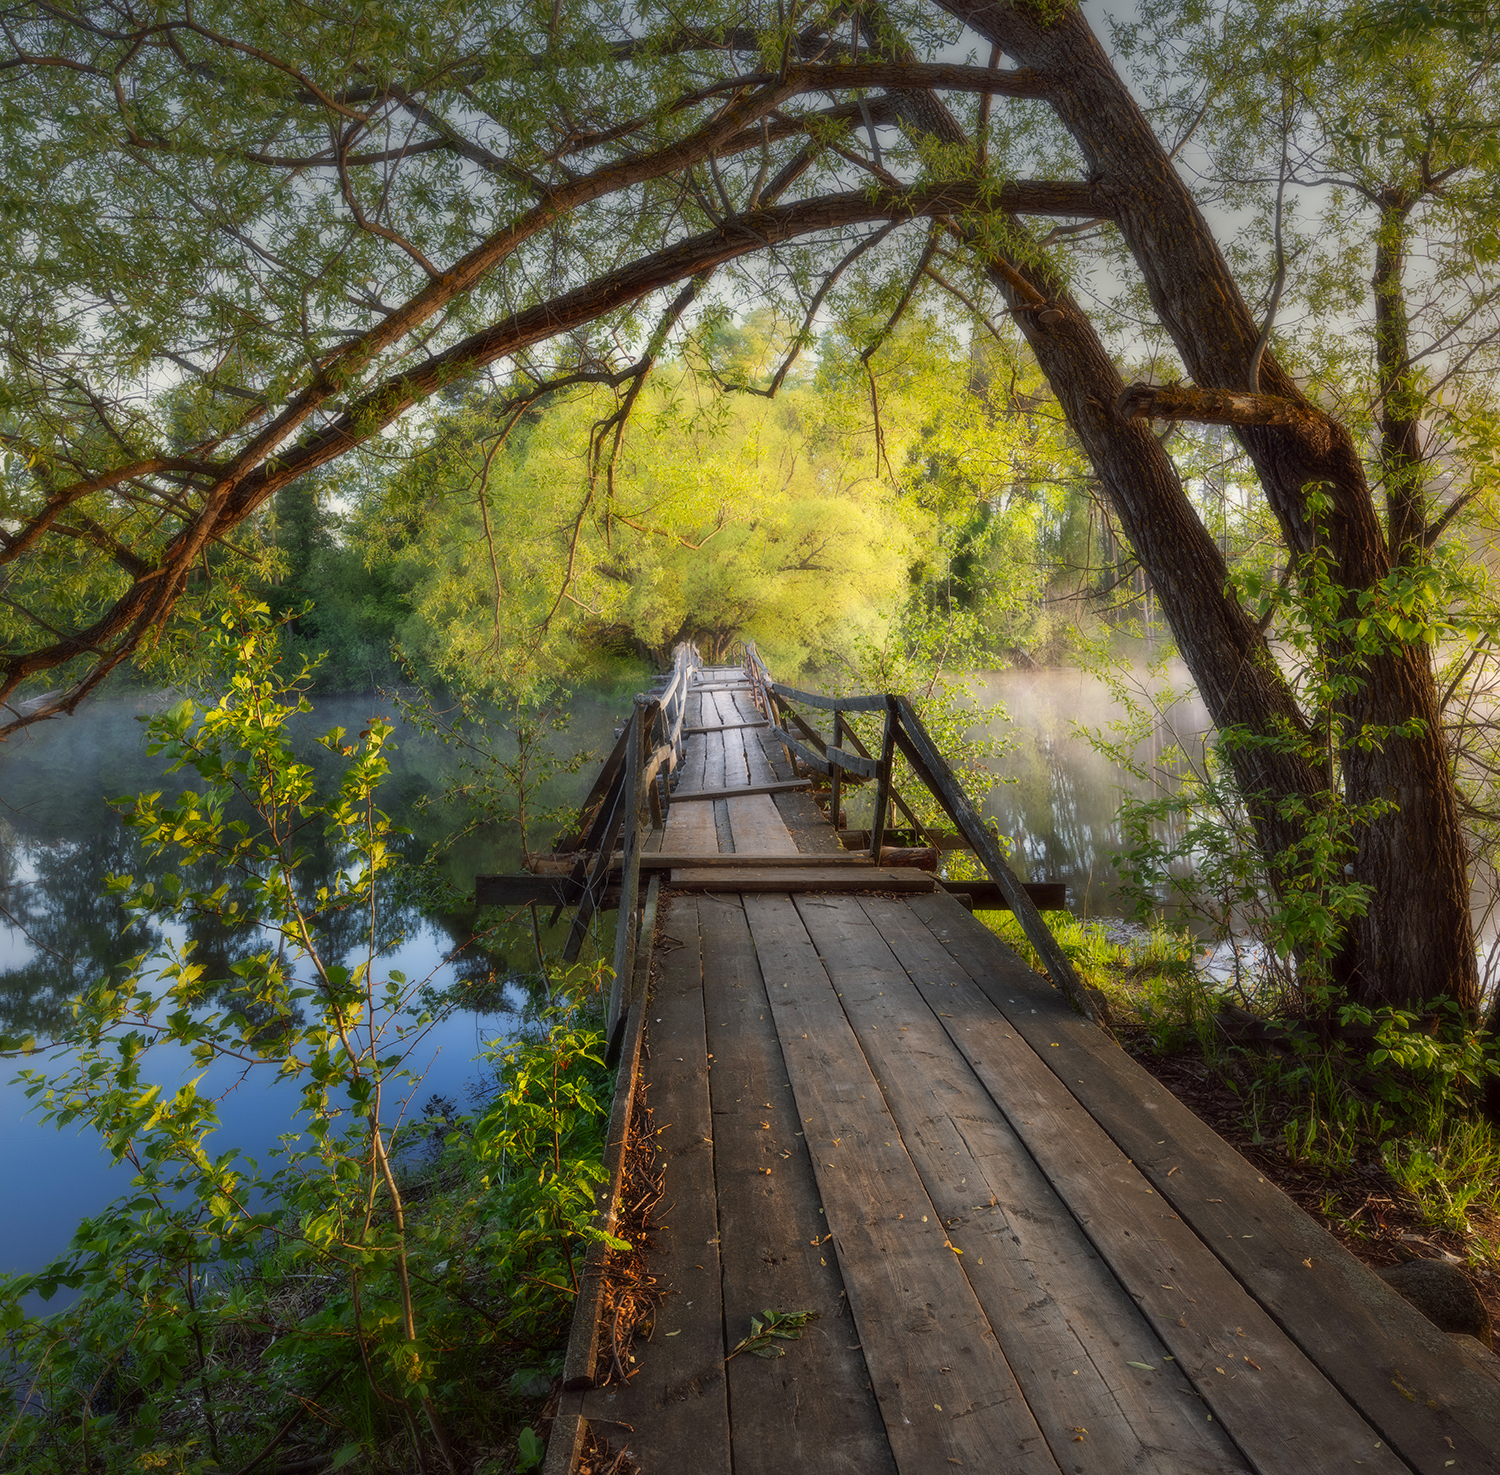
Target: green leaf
column 529, row 1449
column 770, row 1328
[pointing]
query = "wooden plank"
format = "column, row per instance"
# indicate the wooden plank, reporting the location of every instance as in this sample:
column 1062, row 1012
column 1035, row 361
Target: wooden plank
column 600, row 837
column 986, row 896
column 676, row 1402
column 914, row 1311
column 724, row 727
column 583, row 1339
column 571, row 840
column 717, row 774
column 827, row 758
column 809, row 829
column 683, row 796
column 630, row 876
column 758, row 830
column 1284, row 1415
column 1067, row 1327
column 669, row 860
column 880, row 818
column 829, row 704
column 565, row 1446
column 756, row 743
column 818, row 879
column 690, row 828
column 1365, row 1338
column 812, row 1409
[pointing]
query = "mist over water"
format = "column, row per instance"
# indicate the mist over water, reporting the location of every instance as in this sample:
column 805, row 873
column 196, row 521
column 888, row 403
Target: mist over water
column 1061, row 796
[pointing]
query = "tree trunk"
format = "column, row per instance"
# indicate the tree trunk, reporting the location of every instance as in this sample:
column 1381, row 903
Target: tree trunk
column 1415, row 942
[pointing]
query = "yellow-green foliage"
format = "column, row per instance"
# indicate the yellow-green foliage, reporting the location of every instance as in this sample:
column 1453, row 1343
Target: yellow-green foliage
column 720, row 517
column 792, row 520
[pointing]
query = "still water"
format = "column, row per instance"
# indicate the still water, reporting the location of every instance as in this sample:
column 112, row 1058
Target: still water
column 59, row 839
column 1060, row 796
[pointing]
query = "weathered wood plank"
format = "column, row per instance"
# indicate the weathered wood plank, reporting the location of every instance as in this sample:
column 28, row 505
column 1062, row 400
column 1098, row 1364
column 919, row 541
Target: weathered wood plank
column 817, row 879
column 676, row 1403
column 932, row 768
column 1389, row 1360
column 913, row 1308
column 827, row 758
column 740, row 791
column 829, row 704
column 666, row 861
column 809, row 826
column 723, row 727
column 758, row 829
column 718, row 772
column 583, row 1340
column 1068, row 1329
column 813, row 1408
column 519, row 889
column 1285, row 1416
column 690, row 827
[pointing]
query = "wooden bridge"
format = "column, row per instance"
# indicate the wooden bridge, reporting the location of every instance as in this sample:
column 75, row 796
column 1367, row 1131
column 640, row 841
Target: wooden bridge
column 1024, row 1254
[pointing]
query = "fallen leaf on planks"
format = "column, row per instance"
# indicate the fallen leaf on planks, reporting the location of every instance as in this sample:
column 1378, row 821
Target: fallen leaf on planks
column 1144, row 1366
column 770, row 1329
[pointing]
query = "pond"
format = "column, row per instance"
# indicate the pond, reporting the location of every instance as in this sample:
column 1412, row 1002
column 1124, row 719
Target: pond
column 1061, row 795
column 59, row 839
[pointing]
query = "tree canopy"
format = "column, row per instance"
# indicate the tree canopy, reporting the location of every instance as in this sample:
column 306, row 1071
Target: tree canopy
column 243, row 243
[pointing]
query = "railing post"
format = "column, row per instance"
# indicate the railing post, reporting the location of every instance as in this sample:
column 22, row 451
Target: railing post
column 882, row 781
column 836, row 777
column 932, row 768
column 630, row 871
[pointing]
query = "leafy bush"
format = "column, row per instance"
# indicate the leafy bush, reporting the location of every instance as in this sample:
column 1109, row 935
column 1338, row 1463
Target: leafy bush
column 224, row 1305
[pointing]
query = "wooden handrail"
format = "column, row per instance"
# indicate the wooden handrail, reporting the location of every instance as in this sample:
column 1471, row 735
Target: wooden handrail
column 632, row 772
column 905, row 732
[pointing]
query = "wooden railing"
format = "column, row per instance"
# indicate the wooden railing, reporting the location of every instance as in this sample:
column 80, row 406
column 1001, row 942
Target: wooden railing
column 903, row 732
column 628, row 798
column 633, row 791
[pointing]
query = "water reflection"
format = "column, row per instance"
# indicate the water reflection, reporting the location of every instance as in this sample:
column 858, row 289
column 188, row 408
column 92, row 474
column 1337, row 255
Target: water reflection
column 1060, row 810
column 60, row 929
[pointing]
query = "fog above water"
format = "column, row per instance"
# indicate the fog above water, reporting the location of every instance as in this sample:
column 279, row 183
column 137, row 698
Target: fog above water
column 1060, row 810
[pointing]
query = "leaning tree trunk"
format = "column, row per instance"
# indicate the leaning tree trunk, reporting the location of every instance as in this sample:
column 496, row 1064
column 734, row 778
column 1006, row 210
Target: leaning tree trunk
column 1226, row 650
column 1415, row 942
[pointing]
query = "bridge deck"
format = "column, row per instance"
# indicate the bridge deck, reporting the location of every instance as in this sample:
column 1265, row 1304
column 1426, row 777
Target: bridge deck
column 1025, row 1254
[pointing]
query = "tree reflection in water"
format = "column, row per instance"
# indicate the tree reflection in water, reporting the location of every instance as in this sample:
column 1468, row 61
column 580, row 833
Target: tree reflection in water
column 59, row 928
column 1060, row 810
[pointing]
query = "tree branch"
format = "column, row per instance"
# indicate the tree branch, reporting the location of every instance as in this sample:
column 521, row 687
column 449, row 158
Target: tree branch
column 1217, row 407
